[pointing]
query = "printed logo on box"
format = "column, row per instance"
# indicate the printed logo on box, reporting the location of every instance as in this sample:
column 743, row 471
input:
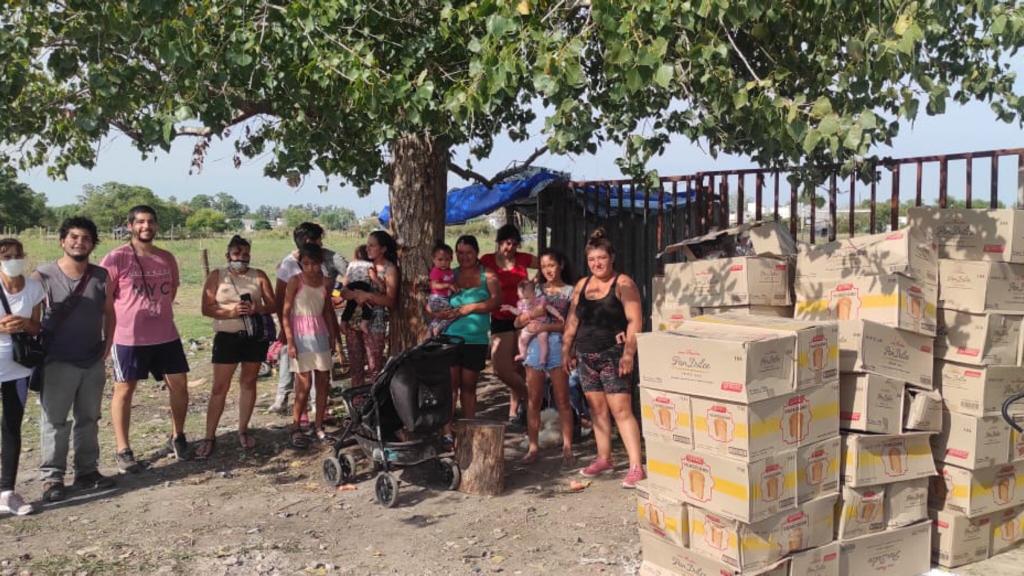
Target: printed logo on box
column 796, row 420
column 844, row 302
column 894, row 459
column 817, row 467
column 697, row 480
column 771, row 484
column 721, row 427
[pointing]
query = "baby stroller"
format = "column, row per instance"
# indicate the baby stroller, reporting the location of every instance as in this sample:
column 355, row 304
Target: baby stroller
column 397, row 420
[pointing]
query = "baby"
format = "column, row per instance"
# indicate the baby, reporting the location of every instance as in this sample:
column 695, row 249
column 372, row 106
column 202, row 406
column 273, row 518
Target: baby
column 442, row 286
column 360, row 275
column 532, row 302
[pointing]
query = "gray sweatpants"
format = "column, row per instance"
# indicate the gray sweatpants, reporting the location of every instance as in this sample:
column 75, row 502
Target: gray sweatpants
column 70, row 390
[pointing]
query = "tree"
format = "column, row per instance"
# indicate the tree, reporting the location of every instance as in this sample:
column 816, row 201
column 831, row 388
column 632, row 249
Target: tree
column 231, row 207
column 262, row 225
column 269, row 213
column 384, row 90
column 206, row 220
column 337, row 218
column 200, row 201
column 295, row 215
column 20, row 206
column 109, row 203
column 58, row 214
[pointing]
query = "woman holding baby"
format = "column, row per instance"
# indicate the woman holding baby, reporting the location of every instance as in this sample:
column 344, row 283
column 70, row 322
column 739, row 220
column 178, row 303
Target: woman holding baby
column 554, row 294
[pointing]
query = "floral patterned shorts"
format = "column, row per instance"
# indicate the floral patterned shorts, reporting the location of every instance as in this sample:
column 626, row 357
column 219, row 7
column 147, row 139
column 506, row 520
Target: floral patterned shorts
column 599, row 371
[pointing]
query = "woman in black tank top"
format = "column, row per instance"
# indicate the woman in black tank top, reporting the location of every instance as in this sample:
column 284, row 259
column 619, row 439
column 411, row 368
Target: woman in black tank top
column 600, row 342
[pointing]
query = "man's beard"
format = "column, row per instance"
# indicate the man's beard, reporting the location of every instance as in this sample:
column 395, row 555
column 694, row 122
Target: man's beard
column 79, row 257
column 145, row 240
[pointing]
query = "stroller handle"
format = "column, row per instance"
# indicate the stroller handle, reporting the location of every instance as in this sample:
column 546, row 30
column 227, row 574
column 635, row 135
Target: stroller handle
column 1006, row 411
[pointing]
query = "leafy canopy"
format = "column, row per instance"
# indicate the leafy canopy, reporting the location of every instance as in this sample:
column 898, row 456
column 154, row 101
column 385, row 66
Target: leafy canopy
column 329, row 84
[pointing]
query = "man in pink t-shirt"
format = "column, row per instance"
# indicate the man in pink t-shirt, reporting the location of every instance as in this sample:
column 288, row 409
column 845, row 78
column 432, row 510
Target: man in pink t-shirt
column 146, row 341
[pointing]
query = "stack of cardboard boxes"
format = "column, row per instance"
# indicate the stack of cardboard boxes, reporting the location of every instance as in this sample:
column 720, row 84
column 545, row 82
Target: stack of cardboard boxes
column 882, row 290
column 978, row 501
column 743, row 270
column 740, row 417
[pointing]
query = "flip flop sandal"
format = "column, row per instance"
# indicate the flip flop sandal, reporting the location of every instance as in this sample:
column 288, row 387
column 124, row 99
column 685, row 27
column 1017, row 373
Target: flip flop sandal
column 299, row 440
column 246, row 441
column 206, row 448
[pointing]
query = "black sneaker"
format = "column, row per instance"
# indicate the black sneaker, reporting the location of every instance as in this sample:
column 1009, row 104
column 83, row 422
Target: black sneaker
column 53, row 491
column 126, row 462
column 93, row 481
column 180, row 449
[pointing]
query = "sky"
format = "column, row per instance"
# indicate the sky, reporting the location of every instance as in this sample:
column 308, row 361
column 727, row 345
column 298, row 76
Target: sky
column 962, row 129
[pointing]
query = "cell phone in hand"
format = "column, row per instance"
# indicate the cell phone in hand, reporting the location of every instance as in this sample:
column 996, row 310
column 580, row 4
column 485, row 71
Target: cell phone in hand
column 246, row 297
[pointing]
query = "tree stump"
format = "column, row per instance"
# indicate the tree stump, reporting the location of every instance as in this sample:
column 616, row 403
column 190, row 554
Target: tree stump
column 480, row 454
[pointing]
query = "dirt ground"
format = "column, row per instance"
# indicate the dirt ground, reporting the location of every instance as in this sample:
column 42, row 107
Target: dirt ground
column 269, row 513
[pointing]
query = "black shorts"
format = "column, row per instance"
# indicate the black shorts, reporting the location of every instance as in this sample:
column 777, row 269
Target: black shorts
column 472, row 357
column 235, row 347
column 133, row 363
column 500, row 325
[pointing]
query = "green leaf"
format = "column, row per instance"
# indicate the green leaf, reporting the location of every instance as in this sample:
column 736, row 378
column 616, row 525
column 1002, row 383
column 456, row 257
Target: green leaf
column 739, row 99
column 853, row 137
column 868, row 120
column 829, row 125
column 663, row 77
column 822, row 107
column 811, row 141
column 498, row 25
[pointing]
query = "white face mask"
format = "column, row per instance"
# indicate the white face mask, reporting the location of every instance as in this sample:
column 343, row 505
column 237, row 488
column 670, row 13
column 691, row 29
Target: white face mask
column 13, row 268
column 238, row 265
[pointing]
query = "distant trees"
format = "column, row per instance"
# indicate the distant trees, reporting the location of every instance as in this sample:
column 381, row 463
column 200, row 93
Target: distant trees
column 20, row 206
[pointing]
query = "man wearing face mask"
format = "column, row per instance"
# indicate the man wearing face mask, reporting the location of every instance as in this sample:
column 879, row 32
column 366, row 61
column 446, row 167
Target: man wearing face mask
column 78, row 331
column 146, row 341
column 19, row 313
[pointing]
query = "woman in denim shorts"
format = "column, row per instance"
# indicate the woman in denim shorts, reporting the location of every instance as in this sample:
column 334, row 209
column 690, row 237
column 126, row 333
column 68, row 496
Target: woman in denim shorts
column 602, row 324
column 557, row 291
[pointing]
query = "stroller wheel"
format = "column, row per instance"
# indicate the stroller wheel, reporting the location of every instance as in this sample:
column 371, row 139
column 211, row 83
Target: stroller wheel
column 386, row 489
column 338, row 471
column 451, row 475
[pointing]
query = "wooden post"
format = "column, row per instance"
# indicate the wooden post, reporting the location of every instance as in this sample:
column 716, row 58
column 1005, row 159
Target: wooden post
column 206, row 263
column 480, row 453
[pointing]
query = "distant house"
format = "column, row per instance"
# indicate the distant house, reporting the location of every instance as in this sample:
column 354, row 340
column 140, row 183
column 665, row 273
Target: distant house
column 249, row 224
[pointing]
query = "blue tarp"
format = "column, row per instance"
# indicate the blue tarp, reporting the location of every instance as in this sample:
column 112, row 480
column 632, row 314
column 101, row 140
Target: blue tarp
column 472, row 201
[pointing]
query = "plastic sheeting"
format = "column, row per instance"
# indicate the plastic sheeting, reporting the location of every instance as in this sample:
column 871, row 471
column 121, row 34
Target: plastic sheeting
column 472, row 201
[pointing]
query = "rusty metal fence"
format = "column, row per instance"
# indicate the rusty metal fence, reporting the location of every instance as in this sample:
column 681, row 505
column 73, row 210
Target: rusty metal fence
column 641, row 222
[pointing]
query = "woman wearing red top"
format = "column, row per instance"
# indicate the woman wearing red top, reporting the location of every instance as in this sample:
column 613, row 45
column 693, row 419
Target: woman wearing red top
column 511, row 267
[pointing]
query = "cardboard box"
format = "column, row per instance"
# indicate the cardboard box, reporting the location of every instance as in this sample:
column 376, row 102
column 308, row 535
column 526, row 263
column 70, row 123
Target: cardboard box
column 894, row 300
column 900, row 552
column 972, row 234
column 980, row 339
column 900, row 251
column 1016, row 446
column 870, row 403
column 671, row 317
column 663, row 559
column 981, row 286
column 662, row 514
column 885, row 458
column 922, row 410
column 1007, row 529
column 762, row 544
column 972, row 442
column 866, row 346
column 737, row 281
column 959, row 540
column 978, row 390
column 861, row 511
column 744, row 491
column 817, row 344
column 715, row 361
column 873, row 509
column 978, row 492
column 906, row 503
column 753, row 431
column 770, row 311
column 666, row 415
column 759, row 238
column 817, row 469
column 822, row 561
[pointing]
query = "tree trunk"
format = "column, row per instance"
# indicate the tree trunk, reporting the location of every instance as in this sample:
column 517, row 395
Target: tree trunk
column 480, row 454
column 418, row 195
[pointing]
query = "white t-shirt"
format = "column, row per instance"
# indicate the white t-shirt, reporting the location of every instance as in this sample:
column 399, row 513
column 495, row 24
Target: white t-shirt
column 333, row 265
column 22, row 304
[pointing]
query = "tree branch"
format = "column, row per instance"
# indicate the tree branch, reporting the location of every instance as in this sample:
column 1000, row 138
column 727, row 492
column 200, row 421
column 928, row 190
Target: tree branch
column 247, row 111
column 738, row 51
column 469, row 174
